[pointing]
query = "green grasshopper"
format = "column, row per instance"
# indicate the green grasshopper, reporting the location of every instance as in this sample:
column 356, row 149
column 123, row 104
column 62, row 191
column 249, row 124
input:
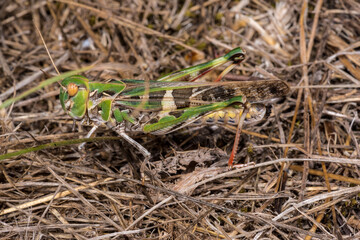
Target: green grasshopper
column 171, row 102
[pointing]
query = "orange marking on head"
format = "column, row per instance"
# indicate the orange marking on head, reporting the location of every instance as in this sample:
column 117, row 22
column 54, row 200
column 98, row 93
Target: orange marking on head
column 72, row 89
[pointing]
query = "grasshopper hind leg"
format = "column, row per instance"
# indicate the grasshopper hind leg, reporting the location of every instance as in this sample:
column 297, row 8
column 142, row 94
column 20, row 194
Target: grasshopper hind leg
column 147, row 155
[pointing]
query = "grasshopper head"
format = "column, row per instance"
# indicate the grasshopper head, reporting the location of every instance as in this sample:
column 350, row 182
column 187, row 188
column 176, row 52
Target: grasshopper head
column 74, row 95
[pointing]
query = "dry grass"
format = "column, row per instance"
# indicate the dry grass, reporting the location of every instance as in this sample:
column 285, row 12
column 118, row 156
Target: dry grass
column 304, row 180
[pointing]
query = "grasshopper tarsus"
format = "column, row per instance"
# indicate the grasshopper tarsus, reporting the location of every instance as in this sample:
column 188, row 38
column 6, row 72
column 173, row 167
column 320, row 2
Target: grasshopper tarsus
column 241, row 165
column 88, row 135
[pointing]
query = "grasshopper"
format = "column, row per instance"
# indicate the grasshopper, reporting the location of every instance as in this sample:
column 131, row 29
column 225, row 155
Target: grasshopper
column 171, row 102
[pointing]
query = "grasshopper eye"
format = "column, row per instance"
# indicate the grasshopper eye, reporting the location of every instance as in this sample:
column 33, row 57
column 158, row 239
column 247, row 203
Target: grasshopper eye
column 72, row 89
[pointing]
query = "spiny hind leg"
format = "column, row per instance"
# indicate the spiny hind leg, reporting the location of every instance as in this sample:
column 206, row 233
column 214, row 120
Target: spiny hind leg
column 238, row 132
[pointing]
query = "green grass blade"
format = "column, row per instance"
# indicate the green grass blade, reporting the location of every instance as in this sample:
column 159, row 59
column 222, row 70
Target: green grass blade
column 55, row 145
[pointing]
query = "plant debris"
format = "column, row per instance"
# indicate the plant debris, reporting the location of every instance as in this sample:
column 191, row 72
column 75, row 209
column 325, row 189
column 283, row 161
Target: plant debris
column 300, row 178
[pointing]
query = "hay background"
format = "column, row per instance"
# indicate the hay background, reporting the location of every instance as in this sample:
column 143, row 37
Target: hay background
column 187, row 193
